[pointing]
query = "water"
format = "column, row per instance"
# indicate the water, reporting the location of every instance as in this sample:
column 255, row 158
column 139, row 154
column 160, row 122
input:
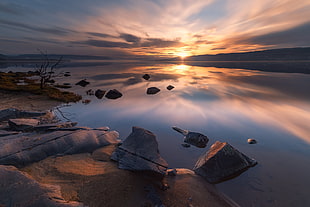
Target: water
column 225, row 104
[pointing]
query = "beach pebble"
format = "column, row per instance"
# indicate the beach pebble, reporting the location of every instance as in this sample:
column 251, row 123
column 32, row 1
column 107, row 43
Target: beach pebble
column 252, row 141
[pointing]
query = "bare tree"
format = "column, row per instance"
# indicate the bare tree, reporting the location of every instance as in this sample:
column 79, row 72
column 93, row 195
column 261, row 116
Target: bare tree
column 47, row 69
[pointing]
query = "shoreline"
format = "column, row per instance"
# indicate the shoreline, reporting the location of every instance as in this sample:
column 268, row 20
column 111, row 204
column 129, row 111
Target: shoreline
column 67, row 172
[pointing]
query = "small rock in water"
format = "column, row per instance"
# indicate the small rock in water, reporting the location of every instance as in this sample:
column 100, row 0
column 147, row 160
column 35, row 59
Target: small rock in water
column 82, row 83
column 152, row 90
column 193, row 138
column 113, row 94
column 252, row 141
column 90, row 92
column 86, row 101
column 67, row 75
column 146, row 76
column 186, row 145
column 170, row 87
column 222, row 162
column 99, row 93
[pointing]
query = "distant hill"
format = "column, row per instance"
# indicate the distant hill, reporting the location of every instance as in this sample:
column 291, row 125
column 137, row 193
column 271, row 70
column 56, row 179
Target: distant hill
column 3, row 57
column 56, row 56
column 288, row 54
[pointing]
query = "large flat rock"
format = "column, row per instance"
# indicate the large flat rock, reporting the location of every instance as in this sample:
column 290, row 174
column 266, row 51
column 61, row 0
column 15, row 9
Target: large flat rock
column 25, row 148
column 11, row 113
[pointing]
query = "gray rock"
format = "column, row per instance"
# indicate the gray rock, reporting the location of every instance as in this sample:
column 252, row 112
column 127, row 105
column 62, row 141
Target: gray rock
column 4, row 133
column 193, row 138
column 56, row 126
column 19, row 189
column 139, row 152
column 152, row 90
column 170, row 87
column 25, row 148
column 82, row 83
column 23, row 124
column 99, row 93
column 113, row 94
column 222, row 162
column 146, row 76
column 11, row 113
column 252, row 141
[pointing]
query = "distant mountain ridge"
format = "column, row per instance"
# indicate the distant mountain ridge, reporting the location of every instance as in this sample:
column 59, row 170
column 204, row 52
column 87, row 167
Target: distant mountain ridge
column 289, row 54
column 54, row 56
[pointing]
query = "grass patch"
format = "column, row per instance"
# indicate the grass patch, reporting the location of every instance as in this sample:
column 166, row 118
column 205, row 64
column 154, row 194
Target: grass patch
column 9, row 82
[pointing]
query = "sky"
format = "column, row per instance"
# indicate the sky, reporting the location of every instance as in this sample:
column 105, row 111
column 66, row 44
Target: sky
column 121, row 28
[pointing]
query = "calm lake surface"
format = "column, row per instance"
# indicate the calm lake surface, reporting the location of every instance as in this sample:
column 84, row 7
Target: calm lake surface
column 229, row 105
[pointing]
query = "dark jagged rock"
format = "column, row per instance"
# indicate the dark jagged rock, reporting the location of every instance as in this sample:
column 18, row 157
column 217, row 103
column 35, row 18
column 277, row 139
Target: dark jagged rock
column 193, row 138
column 82, row 83
column 146, row 76
column 113, row 94
column 140, row 152
column 99, row 93
column 222, row 162
column 152, row 90
column 252, row 141
column 19, row 189
column 170, row 87
column 23, row 124
column 90, row 92
column 11, row 113
column 25, row 148
column 186, row 145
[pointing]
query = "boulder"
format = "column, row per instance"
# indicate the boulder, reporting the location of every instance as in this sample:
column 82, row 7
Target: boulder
column 23, row 124
column 193, row 138
column 82, row 83
column 25, row 148
column 222, row 162
column 146, row 76
column 152, row 90
column 113, row 94
column 19, row 189
column 170, row 87
column 99, row 93
column 139, row 152
column 11, row 113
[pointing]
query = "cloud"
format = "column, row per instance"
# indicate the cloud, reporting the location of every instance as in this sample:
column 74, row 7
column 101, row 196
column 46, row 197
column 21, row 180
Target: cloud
column 103, row 43
column 97, row 34
column 51, row 30
column 161, row 43
column 130, row 38
column 11, row 8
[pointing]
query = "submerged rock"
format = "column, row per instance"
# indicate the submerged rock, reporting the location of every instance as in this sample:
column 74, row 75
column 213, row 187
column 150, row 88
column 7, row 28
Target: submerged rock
column 193, row 138
column 25, row 148
column 146, row 76
column 11, row 113
column 82, row 83
column 99, row 93
column 23, row 124
column 170, row 87
column 152, row 90
column 222, row 162
column 113, row 94
column 140, row 152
